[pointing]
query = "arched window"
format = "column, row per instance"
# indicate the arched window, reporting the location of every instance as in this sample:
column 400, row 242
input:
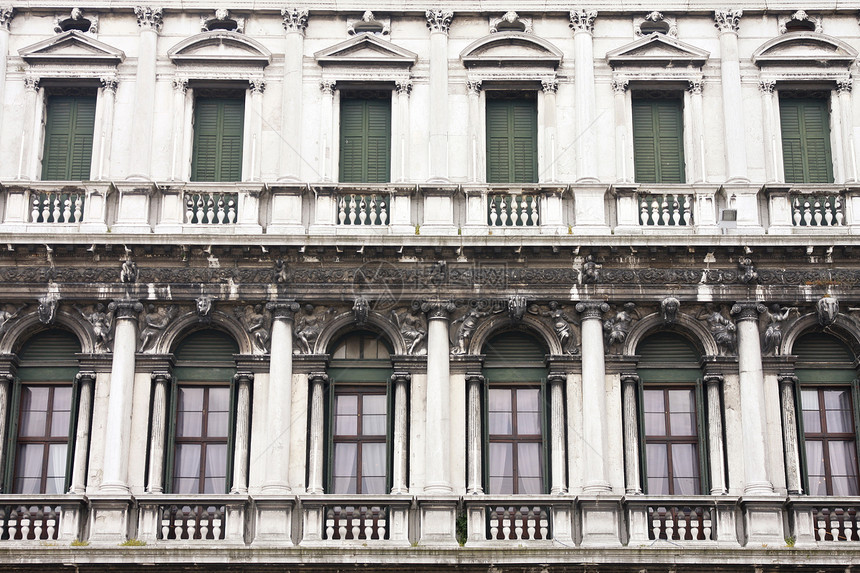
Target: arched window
column 202, row 425
column 671, row 416
column 359, row 450
column 827, row 386
column 515, row 406
column 44, row 405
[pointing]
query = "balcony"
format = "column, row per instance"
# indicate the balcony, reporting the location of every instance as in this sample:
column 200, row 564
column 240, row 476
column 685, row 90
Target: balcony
column 41, row 518
column 530, row 520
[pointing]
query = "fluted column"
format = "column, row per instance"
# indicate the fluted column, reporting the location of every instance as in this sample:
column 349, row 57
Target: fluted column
column 547, row 170
column 556, row 381
column 149, row 21
column 326, row 167
column 177, row 157
column 582, row 24
column 474, row 438
column 794, row 483
column 438, row 443
column 697, row 132
column 400, row 166
column 107, row 103
column 6, row 15
column 86, row 381
column 438, row 21
column 399, row 481
column 477, row 170
column 317, row 433
column 716, row 451
column 623, row 135
column 295, row 23
column 770, row 132
column 243, row 432
column 6, row 381
column 751, row 378
column 278, row 401
column 630, row 383
column 728, row 22
column 29, row 153
column 118, row 424
column 593, row 395
column 158, row 431
column 256, row 89
column 843, row 90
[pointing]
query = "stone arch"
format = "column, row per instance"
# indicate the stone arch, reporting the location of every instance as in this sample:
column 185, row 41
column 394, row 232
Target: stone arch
column 219, row 47
column 189, row 323
column 685, row 325
column 805, row 49
column 344, row 322
column 27, row 325
column 511, row 47
column 842, row 328
column 501, row 322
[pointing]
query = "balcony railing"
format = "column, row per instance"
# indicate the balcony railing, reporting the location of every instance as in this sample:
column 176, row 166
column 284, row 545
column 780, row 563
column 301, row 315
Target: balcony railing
column 182, row 519
column 210, row 208
column 518, row 518
column 817, row 211
column 514, row 210
column 824, row 519
column 695, row 519
column 680, row 522
column 666, row 209
column 40, row 518
column 356, row 518
column 355, row 209
column 57, row 207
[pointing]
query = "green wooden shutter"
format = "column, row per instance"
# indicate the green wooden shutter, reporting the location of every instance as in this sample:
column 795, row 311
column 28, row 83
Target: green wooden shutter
column 365, row 140
column 511, row 141
column 805, row 125
column 658, row 140
column 69, row 130
column 218, row 129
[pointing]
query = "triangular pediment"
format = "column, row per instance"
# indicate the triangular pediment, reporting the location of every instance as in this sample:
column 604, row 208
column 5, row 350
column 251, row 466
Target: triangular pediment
column 805, row 48
column 518, row 48
column 366, row 49
column 220, row 47
column 71, row 47
column 657, row 49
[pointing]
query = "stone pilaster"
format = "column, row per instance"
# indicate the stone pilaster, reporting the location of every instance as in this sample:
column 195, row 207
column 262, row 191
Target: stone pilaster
column 438, row 445
column 582, row 24
column 716, row 451
column 630, row 383
column 556, row 382
column 550, row 128
column 295, row 23
column 477, row 169
column 6, row 15
column 317, row 380
column 158, row 431
column 256, row 89
column 728, row 22
column 769, row 123
column 787, row 383
column 326, row 152
column 86, row 382
column 399, row 478
column 149, row 19
column 439, row 21
column 623, row 131
column 243, row 432
column 594, row 395
column 474, row 438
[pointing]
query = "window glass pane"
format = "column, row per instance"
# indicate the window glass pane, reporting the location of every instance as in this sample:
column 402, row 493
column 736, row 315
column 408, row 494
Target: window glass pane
column 656, row 460
column 217, row 424
column 33, row 416
column 343, row 485
column 839, row 422
column 811, row 422
column 28, row 485
column 34, row 423
column 346, row 420
column 527, row 400
column 685, row 461
column 685, row 486
column 373, row 415
column 501, row 423
column 56, row 475
column 187, row 463
column 501, row 467
column 373, row 404
column 186, row 485
column 219, row 399
column 499, row 400
column 843, row 457
column 658, row 485
column 216, row 462
column 345, row 466
column 373, row 425
column 815, row 467
column 845, row 485
column 653, row 401
column 655, row 424
column 528, row 423
column 29, row 460
column 501, row 485
column 529, row 460
column 373, row 485
column 189, row 424
column 62, row 398
column 60, row 423
column 215, row 485
column 373, row 460
column 191, row 399
column 529, row 485
column 682, row 417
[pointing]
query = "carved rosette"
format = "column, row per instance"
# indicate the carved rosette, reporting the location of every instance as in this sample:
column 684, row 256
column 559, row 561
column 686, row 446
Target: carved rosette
column 404, row 87
column 620, row 86
column 295, row 19
column 592, row 309
column 582, row 20
column 283, row 309
column 257, row 86
column 747, row 310
column 438, row 309
column 148, row 18
column 126, row 308
column 549, row 86
column 109, row 84
column 728, row 20
column 767, row 86
column 439, row 20
column 31, row 83
column 695, row 87
column 327, row 87
column 6, row 15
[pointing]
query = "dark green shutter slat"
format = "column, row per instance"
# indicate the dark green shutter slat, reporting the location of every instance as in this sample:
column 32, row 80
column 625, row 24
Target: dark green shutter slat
column 218, row 133
column 69, row 130
column 511, row 141
column 823, row 359
column 805, row 126
column 513, row 348
column 668, row 357
column 49, row 357
column 658, row 140
column 365, row 140
column 210, row 346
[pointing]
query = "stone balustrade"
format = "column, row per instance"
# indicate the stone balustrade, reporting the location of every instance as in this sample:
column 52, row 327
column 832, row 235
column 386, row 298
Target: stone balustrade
column 41, row 518
column 825, row 520
column 189, row 519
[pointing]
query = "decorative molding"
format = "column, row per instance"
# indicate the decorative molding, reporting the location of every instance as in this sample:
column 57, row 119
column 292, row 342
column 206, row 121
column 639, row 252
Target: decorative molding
column 73, row 49
column 99, row 319
column 368, row 24
column 767, row 86
column 109, row 83
column 243, row 377
column 328, row 86
column 511, row 22
column 439, row 20
column 800, row 16
column 149, row 18
column 317, row 377
column 86, row 376
column 438, row 309
column 582, row 20
column 162, row 376
column 180, row 84
column 813, row 53
column 669, row 308
column 222, row 21
column 658, row 51
column 220, row 51
column 473, row 86
column 283, row 309
column 592, row 309
column 295, row 19
column 31, row 83
column 845, row 85
column 401, row 377
column 7, row 13
column 655, row 16
column 710, row 379
column 309, row 325
column 728, row 20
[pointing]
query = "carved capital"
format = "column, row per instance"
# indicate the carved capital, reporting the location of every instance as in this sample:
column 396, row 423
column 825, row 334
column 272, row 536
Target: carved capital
column 6, row 15
column 728, row 20
column 148, row 18
column 257, row 86
column 786, row 378
column 283, row 309
column 404, row 87
column 582, row 20
column 438, row 309
column 86, row 376
column 439, row 20
column 401, row 378
column 109, row 84
column 549, row 86
column 844, row 86
column 695, row 87
column 474, row 378
column 161, row 376
column 317, row 377
column 767, row 86
column 556, row 377
column 31, row 83
column 126, row 308
column 180, row 85
column 711, row 379
column 243, row 377
column 748, row 310
column 295, row 19
column 327, row 87
column 592, row 309
column 629, row 378
column 473, row 86
column 620, row 86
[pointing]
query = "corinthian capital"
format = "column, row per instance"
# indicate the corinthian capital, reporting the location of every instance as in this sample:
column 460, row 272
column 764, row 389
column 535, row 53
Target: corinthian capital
column 592, row 309
column 582, row 20
column 295, row 19
column 6, row 15
column 148, row 18
column 31, row 83
column 728, row 20
column 109, row 83
column 439, row 20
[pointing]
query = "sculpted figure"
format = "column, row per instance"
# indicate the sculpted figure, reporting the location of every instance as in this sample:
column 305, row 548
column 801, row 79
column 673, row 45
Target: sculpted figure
column 412, row 327
column 100, row 321
column 773, row 333
column 253, row 318
column 590, row 270
column 616, row 329
column 669, row 307
column 153, row 321
column 748, row 272
column 826, row 309
column 723, row 329
column 6, row 316
column 309, row 325
column 203, row 304
column 128, row 274
column 561, row 325
column 280, row 271
column 469, row 323
column 48, row 307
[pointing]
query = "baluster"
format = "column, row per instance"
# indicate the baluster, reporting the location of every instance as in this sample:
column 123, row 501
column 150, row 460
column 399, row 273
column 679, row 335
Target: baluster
column 210, row 208
column 676, row 210
column 189, row 209
column 655, row 211
column 643, row 212
column 835, row 524
column 165, row 527
column 504, row 211
column 493, row 215
column 513, row 211
column 664, row 208
column 355, row 522
column 656, row 524
column 828, row 211
column 837, row 207
column 51, row 524
column 796, row 216
column 342, row 523
column 352, row 207
column 535, row 213
column 822, row 530
column 67, row 210
column 79, row 207
column 670, row 525
column 494, row 524
column 853, row 524
column 807, row 213
column 531, row 524
column 341, row 211
column 687, row 219
column 25, row 523
column 34, row 214
column 383, row 214
column 707, row 525
column 231, row 211
column 14, row 522
column 205, row 520
column 816, row 211
column 200, row 211
column 682, row 522
column 524, row 211
column 221, row 211
column 46, row 210
column 517, row 518
column 56, row 211
column 506, row 522
column 362, row 210
column 373, row 206
column 382, row 526
column 38, row 521
column 544, row 524
column 368, row 516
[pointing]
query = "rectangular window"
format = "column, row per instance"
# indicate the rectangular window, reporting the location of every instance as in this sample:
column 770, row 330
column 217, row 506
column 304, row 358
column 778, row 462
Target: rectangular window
column 360, row 441
column 512, row 137
column 515, row 457
column 365, row 138
column 671, row 441
column 218, row 129
column 829, row 437
column 69, row 127
column 805, row 125
column 43, row 439
column 201, row 443
column 658, row 139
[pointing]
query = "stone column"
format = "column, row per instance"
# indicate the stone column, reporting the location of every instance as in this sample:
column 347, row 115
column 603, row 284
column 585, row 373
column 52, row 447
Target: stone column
column 438, row 445
column 593, row 395
column 716, row 454
column 101, row 152
column 158, row 431
column 772, row 162
column 630, row 383
column 29, row 155
column 400, row 168
column 118, row 423
column 86, row 381
column 751, row 377
column 556, row 381
column 697, row 132
column 787, row 383
column 843, row 89
column 728, row 22
column 257, row 87
column 477, row 171
column 623, row 135
column 474, row 438
column 439, row 21
column 399, row 481
column 317, row 433
column 278, row 402
column 326, row 168
column 243, row 432
column 582, row 23
column 149, row 20
column 6, row 15
column 546, row 170
column 180, row 92
column 295, row 23
column 6, row 381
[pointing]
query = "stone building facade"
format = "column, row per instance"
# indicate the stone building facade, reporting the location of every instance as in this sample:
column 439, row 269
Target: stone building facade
column 492, row 287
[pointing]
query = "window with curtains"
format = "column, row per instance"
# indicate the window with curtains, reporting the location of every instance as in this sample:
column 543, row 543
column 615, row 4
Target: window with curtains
column 658, row 137
column 365, row 137
column 511, row 137
column 44, row 405
column 360, row 426
column 69, row 126
column 515, row 409
column 203, row 420
column 219, row 118
column 827, row 389
column 671, row 416
column 805, row 125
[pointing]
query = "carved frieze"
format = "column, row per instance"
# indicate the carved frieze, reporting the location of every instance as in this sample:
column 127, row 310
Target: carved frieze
column 465, row 326
column 748, row 274
column 128, row 273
